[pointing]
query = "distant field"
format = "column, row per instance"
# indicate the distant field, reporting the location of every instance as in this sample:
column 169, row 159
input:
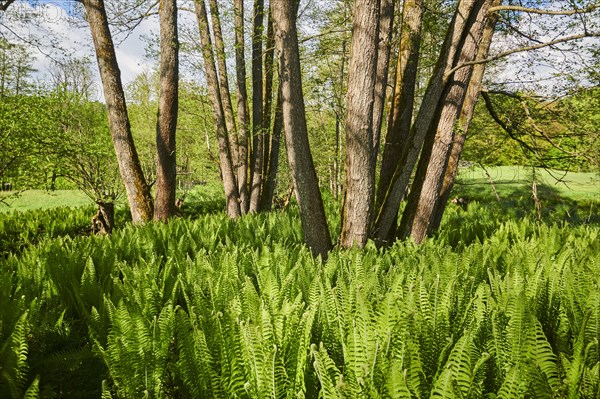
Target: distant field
column 40, row 199
column 509, row 180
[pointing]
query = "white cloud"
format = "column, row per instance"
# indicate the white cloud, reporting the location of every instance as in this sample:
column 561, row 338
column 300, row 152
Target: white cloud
column 55, row 31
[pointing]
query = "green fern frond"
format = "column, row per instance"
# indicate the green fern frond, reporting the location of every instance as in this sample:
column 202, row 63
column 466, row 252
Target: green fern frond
column 33, row 392
column 514, row 385
column 541, row 352
column 13, row 358
column 577, row 363
column 195, row 362
column 456, row 379
column 396, row 386
column 329, row 375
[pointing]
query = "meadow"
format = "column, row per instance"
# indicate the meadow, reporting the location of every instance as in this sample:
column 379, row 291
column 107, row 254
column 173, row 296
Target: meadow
column 500, row 303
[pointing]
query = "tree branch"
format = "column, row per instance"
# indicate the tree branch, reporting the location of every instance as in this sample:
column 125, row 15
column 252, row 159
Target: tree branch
column 5, row 4
column 508, row 129
column 524, row 49
column 588, row 9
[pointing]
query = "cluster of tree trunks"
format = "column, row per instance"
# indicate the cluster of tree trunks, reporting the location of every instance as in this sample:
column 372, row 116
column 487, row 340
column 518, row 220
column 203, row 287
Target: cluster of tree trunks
column 136, row 187
column 248, row 147
column 431, row 140
column 421, row 147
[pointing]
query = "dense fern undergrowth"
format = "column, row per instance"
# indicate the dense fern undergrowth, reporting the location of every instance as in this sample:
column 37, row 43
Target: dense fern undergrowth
column 495, row 306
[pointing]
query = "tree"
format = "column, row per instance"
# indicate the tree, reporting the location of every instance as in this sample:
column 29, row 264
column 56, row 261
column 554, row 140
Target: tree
column 400, row 116
column 242, row 106
column 258, row 134
column 437, row 134
column 73, row 75
column 214, row 94
column 250, row 159
column 359, row 183
column 166, row 123
column 138, row 192
column 312, row 212
column 457, row 109
column 16, row 66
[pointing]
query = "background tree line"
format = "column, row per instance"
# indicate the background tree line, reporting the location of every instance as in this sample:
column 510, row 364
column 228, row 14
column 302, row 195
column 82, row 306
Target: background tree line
column 387, row 89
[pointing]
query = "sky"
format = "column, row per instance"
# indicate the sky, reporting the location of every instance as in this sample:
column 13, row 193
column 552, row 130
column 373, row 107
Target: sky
column 58, row 21
column 56, row 25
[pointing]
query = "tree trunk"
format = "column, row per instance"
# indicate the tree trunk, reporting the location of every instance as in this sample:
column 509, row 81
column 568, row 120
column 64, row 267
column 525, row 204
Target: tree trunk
column 464, row 121
column 242, row 107
column 138, row 192
column 224, row 83
column 386, row 26
column 271, row 181
column 312, row 212
column 336, row 157
column 390, row 203
column 401, row 112
column 425, row 190
column 257, row 107
column 360, row 164
column 268, row 69
column 103, row 221
column 166, row 125
column 227, row 173
column 339, row 111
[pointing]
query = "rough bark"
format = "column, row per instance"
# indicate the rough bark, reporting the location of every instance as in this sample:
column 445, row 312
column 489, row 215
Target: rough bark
column 339, row 111
column 223, row 82
column 225, row 162
column 401, row 112
column 387, row 214
column 464, row 121
column 336, row 157
column 103, row 221
column 268, row 69
column 242, row 107
column 426, row 187
column 257, row 106
column 359, row 182
column 166, row 125
column 271, row 181
column 386, row 26
column 138, row 192
column 312, row 212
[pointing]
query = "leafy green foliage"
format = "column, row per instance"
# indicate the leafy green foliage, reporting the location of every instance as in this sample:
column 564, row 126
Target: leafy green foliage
column 549, row 132
column 218, row 308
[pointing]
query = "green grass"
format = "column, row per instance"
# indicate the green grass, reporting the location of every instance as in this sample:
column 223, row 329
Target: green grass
column 41, row 199
column 511, row 180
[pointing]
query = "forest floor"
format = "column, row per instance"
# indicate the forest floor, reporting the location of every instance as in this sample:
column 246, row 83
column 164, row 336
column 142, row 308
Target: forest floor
column 473, row 183
column 510, row 180
column 41, row 199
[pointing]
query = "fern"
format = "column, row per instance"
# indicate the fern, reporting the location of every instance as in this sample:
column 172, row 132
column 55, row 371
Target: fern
column 329, row 375
column 33, row 391
column 13, row 359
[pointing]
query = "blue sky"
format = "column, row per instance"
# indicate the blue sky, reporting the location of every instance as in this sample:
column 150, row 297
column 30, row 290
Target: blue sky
column 53, row 22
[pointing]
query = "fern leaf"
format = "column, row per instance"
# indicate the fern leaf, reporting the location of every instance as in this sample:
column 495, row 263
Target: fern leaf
column 575, row 372
column 543, row 356
column 13, row 357
column 329, row 375
column 33, row 392
column 457, row 373
column 514, row 385
column 396, row 386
